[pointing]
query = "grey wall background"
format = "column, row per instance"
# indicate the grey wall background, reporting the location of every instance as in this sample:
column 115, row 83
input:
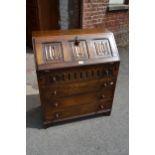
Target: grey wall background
column 69, row 11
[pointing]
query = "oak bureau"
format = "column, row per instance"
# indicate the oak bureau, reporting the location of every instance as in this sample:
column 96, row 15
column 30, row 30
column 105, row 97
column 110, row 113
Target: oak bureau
column 76, row 71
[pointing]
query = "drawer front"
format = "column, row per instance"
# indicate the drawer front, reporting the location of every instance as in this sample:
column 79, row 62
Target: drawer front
column 76, row 111
column 95, row 97
column 59, row 77
column 77, row 88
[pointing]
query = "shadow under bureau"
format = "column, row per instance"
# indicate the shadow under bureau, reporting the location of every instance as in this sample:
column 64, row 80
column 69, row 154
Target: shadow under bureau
column 77, row 72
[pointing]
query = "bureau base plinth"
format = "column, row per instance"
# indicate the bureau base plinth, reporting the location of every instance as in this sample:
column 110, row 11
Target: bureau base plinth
column 47, row 124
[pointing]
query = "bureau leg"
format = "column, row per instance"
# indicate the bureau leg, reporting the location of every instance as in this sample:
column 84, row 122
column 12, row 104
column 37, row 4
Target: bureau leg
column 108, row 113
column 47, row 124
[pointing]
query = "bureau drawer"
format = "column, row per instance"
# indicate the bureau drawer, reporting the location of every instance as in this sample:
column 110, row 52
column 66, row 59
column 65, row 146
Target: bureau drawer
column 77, row 88
column 78, row 99
column 76, row 75
column 54, row 115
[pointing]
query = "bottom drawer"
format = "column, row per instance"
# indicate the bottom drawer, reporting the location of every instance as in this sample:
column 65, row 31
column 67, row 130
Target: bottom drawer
column 51, row 115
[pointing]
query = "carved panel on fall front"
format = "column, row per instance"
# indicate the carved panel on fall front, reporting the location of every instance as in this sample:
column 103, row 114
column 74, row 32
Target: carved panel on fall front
column 79, row 50
column 102, row 48
column 52, row 52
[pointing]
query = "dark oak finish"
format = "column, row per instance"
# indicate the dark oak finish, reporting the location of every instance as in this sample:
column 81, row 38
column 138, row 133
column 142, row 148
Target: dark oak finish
column 77, row 72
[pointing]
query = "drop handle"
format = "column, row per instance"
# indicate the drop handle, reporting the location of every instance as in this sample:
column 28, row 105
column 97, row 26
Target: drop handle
column 101, row 106
column 55, row 92
column 56, row 104
column 102, row 96
column 54, row 78
column 105, row 84
column 111, row 83
column 57, row 115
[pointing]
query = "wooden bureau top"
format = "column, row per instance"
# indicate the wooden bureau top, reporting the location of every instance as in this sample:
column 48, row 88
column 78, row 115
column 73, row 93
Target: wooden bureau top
column 71, row 48
column 68, row 32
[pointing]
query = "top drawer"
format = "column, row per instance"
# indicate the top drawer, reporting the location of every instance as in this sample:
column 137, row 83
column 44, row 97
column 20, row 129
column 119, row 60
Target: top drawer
column 56, row 78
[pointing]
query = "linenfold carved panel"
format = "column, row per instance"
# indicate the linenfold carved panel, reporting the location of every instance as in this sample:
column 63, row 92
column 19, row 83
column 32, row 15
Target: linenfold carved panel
column 80, row 50
column 53, row 52
column 102, row 48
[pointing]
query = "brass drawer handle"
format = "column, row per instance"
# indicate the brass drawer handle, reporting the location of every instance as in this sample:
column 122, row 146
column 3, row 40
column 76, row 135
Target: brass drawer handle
column 102, row 96
column 56, row 104
column 105, row 84
column 101, row 106
column 57, row 115
column 55, row 92
column 111, row 83
column 54, row 78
